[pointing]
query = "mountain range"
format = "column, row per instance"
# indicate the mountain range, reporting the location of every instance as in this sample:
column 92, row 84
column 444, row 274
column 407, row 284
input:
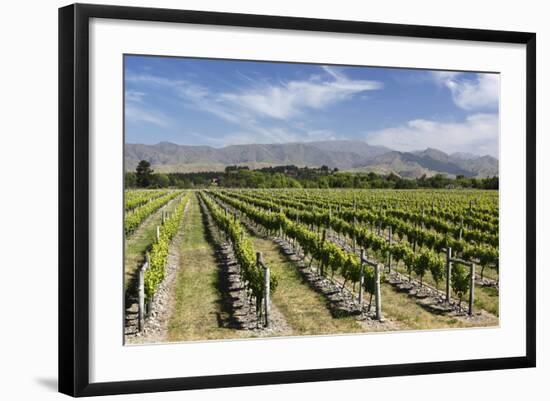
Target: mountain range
column 346, row 155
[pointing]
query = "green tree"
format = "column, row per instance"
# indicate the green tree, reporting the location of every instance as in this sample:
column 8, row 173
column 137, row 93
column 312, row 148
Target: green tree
column 160, row 180
column 144, row 173
column 130, row 180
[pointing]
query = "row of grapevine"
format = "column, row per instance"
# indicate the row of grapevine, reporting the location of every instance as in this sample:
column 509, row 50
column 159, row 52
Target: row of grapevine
column 415, row 235
column 252, row 276
column 480, row 203
column 136, row 198
column 487, row 234
column 331, row 256
column 134, row 218
column 452, row 216
column 159, row 250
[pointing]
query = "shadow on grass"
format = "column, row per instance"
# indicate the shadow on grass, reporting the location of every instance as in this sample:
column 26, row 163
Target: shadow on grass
column 226, row 302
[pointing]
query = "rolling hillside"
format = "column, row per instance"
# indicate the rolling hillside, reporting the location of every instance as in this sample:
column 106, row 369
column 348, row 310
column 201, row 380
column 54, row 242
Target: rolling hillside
column 344, row 155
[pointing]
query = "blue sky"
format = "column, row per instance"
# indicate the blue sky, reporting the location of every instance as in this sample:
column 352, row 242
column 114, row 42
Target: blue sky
column 219, row 102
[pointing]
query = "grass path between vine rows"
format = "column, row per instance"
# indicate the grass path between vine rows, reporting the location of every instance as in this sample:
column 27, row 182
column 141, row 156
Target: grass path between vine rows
column 137, row 243
column 486, row 298
column 397, row 307
column 402, row 308
column 304, row 309
column 197, row 301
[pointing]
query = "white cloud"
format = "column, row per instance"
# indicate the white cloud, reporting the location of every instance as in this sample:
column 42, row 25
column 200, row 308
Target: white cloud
column 286, row 100
column 333, row 72
column 281, row 102
column 477, row 134
column 136, row 113
column 151, row 79
column 443, row 76
column 468, row 94
column 254, row 133
column 134, row 96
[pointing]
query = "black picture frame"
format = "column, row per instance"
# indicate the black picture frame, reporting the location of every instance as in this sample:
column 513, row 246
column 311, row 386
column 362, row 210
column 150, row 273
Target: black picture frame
column 74, row 201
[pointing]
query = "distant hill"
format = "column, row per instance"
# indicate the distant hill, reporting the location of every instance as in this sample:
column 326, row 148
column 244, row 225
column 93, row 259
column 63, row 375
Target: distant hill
column 345, row 155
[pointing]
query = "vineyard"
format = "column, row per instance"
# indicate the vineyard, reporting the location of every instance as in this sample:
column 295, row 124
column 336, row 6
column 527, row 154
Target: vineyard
column 240, row 263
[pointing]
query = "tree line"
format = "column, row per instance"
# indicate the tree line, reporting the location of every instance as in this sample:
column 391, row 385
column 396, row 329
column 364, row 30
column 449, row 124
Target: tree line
column 295, row 177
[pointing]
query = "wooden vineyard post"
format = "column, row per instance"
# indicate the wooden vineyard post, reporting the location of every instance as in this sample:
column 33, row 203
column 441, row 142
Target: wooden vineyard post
column 329, row 219
column 414, row 243
column 260, row 263
column 150, row 300
column 448, row 278
column 472, row 287
column 321, row 264
column 377, row 295
column 141, row 294
column 390, row 239
column 361, row 276
column 141, row 305
column 354, row 237
column 281, row 235
column 235, row 216
column 294, row 242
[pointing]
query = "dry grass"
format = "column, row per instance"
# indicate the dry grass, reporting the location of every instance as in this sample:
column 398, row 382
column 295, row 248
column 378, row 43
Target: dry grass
column 304, row 309
column 197, row 313
column 137, row 244
column 402, row 308
column 485, row 298
column 197, row 309
column 409, row 315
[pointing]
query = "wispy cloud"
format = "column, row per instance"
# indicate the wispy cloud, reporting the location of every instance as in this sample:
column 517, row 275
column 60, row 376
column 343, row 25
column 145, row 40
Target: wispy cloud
column 137, row 111
column 134, row 96
column 286, row 100
column 477, row 134
column 134, row 113
column 258, row 134
column 249, row 107
column 470, row 94
column 193, row 95
column 282, row 100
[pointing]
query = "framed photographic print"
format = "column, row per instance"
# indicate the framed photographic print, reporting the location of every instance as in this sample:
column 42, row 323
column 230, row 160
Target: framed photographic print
column 250, row 199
